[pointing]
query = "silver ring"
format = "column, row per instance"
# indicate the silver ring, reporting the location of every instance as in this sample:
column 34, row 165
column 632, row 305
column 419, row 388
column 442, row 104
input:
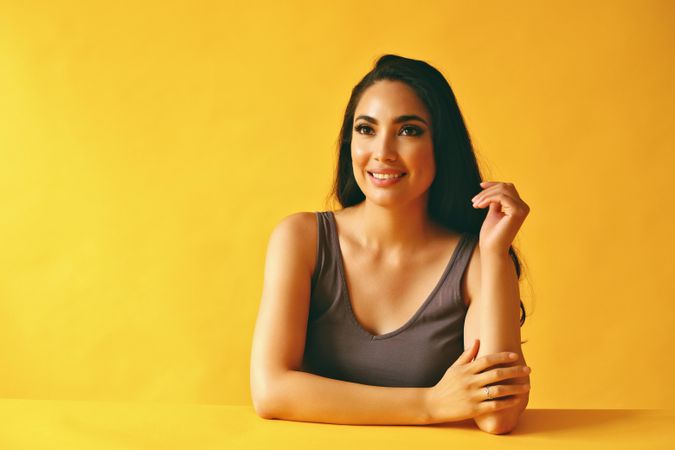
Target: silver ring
column 487, row 392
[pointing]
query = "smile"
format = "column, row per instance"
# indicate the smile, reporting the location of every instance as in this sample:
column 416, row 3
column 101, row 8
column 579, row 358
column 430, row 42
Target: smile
column 385, row 176
column 385, row 179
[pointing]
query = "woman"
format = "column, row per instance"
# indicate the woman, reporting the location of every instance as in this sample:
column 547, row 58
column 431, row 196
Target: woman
column 375, row 313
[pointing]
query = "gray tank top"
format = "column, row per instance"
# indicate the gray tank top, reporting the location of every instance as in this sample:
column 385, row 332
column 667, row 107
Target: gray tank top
column 415, row 355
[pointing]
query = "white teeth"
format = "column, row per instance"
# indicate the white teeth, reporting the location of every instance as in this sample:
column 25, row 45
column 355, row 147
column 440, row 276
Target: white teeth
column 386, row 176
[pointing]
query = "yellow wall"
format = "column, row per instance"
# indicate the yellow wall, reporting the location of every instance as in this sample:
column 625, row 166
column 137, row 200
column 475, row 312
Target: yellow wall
column 147, row 151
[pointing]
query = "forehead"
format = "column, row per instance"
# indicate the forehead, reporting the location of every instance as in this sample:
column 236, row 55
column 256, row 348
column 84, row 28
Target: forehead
column 387, row 99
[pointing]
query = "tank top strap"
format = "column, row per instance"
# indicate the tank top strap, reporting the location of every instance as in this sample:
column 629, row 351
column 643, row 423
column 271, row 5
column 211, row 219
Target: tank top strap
column 465, row 249
column 326, row 284
column 324, row 244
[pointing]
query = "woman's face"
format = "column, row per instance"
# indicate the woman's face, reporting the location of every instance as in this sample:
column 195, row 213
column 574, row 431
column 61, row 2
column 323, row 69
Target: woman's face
column 391, row 132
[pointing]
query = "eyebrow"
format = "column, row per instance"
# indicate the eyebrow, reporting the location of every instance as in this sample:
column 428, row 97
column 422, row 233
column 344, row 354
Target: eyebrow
column 404, row 118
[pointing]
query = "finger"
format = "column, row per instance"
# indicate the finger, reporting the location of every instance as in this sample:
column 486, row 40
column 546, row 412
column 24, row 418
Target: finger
column 487, row 361
column 488, row 183
column 469, row 354
column 509, row 206
column 495, row 190
column 507, row 188
column 495, row 405
column 504, row 199
column 504, row 183
column 494, row 187
column 502, row 390
column 502, row 373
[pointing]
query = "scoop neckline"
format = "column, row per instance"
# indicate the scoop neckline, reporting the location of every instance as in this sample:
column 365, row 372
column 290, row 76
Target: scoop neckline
column 418, row 312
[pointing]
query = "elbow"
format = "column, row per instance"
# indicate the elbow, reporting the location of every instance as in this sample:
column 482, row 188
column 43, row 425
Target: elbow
column 261, row 395
column 497, row 425
column 503, row 421
column 263, row 412
column 262, row 407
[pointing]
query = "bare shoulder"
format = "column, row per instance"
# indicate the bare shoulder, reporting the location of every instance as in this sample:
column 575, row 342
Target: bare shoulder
column 299, row 221
column 297, row 232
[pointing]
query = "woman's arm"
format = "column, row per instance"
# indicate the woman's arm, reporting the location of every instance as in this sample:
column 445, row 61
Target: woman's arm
column 493, row 318
column 494, row 315
column 307, row 397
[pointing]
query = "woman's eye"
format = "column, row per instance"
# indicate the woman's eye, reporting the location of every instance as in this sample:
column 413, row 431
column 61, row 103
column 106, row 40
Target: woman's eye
column 358, row 128
column 415, row 129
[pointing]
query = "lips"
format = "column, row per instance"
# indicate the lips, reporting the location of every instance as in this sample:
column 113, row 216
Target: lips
column 397, row 175
column 385, row 171
column 384, row 182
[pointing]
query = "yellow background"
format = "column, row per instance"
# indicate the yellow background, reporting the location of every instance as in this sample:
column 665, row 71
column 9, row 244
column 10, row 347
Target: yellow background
column 147, row 149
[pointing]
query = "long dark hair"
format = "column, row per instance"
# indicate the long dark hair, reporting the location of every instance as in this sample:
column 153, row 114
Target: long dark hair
column 457, row 177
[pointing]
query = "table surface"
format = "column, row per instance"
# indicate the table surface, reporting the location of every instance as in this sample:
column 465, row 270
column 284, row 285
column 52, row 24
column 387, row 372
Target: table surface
column 55, row 424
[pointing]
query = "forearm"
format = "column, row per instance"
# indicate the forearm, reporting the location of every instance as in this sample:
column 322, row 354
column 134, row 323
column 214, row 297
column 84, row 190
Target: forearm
column 308, row 397
column 499, row 305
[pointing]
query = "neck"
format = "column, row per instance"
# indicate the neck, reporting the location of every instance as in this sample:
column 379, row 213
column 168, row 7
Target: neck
column 395, row 231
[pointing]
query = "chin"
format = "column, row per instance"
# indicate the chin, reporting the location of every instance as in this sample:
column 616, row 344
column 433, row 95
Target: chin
column 386, row 200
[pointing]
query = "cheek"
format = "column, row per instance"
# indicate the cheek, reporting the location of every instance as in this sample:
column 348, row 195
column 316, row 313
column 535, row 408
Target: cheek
column 359, row 155
column 359, row 159
column 424, row 163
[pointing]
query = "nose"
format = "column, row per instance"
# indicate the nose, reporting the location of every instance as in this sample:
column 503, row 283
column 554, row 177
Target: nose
column 385, row 149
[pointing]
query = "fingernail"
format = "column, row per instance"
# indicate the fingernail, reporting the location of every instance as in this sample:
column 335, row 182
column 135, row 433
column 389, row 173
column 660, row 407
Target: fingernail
column 513, row 355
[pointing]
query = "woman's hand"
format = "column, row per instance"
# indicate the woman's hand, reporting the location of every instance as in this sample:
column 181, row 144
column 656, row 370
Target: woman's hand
column 461, row 395
column 507, row 213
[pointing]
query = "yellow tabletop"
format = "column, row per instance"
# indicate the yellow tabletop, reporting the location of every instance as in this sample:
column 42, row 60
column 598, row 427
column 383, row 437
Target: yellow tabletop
column 68, row 425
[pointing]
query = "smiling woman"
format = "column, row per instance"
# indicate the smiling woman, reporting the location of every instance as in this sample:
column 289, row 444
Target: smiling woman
column 383, row 149
column 404, row 308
